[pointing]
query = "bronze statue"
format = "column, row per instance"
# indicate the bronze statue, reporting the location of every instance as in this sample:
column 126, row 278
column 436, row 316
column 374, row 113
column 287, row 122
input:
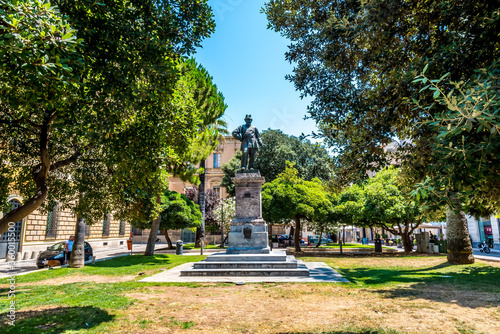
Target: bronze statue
column 250, row 141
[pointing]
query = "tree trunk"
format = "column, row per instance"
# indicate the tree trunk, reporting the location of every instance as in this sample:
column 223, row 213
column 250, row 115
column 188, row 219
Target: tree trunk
column 320, row 236
column 197, row 239
column 165, row 233
column 459, row 245
column 405, row 238
column 39, row 175
column 297, row 235
column 202, row 205
column 150, row 248
column 77, row 257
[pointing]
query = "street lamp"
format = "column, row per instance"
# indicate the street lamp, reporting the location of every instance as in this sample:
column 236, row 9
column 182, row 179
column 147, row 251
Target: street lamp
column 222, row 224
column 343, row 233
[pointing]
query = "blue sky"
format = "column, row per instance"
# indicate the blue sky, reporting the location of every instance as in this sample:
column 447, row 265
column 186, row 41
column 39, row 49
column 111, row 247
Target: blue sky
column 247, row 62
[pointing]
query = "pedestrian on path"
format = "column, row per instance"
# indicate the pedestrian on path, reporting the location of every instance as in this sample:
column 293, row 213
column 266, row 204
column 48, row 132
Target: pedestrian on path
column 68, row 247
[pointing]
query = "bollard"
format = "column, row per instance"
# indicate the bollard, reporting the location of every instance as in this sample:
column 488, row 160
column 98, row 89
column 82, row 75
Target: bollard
column 18, row 256
column 33, row 255
column 178, row 247
column 25, row 257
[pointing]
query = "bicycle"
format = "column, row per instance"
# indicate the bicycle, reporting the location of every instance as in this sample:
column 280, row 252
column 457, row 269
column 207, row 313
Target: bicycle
column 483, row 247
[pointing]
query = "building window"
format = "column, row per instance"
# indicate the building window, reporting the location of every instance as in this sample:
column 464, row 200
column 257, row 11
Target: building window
column 122, row 227
column 106, row 222
column 52, row 221
column 6, row 236
column 87, row 230
column 217, row 190
column 216, row 160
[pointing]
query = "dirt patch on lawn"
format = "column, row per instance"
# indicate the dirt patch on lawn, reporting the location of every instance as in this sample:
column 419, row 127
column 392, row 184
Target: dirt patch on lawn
column 312, row 308
column 86, row 278
column 77, row 279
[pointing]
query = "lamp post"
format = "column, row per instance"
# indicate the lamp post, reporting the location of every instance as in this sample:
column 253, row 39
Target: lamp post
column 222, row 224
column 202, row 205
column 340, row 244
column 343, row 234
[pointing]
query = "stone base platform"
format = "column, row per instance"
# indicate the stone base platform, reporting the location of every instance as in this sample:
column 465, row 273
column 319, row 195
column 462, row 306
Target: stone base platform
column 223, row 264
column 319, row 272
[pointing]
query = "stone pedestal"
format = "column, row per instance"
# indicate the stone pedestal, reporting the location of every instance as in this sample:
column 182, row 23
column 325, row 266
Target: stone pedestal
column 248, row 253
column 249, row 233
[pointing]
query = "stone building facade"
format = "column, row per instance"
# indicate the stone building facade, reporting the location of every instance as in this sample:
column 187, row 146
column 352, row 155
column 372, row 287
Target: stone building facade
column 213, row 172
column 38, row 231
column 485, row 229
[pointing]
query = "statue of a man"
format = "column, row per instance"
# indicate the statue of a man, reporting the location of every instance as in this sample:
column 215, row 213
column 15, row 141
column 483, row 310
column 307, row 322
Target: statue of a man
column 250, row 141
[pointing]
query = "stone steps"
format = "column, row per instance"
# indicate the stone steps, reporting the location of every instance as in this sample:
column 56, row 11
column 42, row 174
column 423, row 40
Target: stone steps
column 224, row 257
column 246, row 272
column 245, row 265
column 274, row 264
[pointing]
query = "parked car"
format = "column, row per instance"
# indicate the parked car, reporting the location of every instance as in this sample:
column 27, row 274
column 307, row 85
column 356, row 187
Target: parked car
column 288, row 239
column 313, row 239
column 56, row 252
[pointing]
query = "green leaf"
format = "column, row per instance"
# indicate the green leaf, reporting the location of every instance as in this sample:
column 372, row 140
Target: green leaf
column 68, row 35
column 425, row 88
column 425, row 68
column 444, row 76
column 436, row 94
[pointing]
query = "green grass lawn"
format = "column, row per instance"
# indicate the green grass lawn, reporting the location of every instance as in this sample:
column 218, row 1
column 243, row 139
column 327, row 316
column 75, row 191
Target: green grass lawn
column 120, row 266
column 375, row 273
column 86, row 306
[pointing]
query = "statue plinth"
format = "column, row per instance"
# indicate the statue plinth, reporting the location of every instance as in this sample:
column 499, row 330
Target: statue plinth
column 249, row 233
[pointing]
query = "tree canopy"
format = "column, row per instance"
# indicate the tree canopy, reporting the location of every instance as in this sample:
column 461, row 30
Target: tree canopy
column 466, row 144
column 95, row 103
column 225, row 212
column 384, row 201
column 358, row 60
column 177, row 212
column 290, row 198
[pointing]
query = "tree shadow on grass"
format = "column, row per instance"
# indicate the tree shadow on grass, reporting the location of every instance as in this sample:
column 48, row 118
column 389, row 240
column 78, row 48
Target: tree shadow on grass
column 442, row 283
column 55, row 320
column 360, row 331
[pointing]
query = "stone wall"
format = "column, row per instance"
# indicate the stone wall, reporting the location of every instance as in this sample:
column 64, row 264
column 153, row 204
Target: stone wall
column 36, row 239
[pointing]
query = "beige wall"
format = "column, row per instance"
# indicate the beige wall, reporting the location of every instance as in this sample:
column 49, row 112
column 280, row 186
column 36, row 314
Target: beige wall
column 34, row 238
column 213, row 176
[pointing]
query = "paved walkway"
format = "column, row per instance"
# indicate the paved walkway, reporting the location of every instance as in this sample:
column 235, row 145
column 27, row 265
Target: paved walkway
column 319, row 272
